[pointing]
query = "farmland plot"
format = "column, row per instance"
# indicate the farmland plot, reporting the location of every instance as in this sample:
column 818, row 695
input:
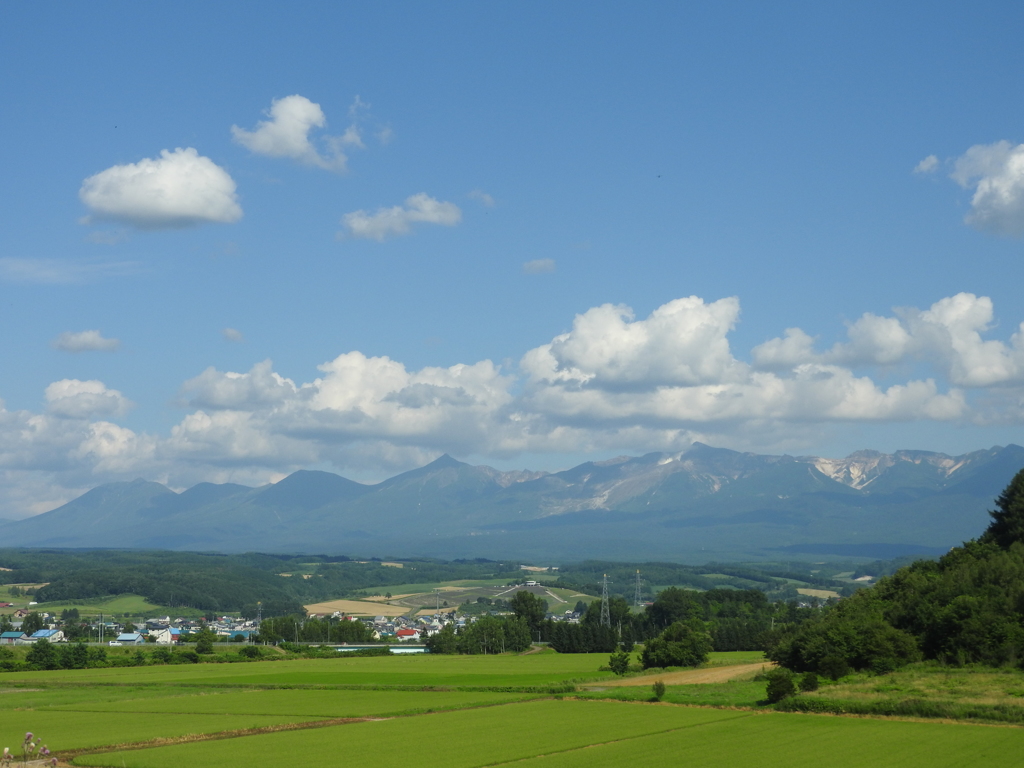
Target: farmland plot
column 611, row 734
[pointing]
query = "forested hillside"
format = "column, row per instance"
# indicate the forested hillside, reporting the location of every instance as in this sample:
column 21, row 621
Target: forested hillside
column 967, row 607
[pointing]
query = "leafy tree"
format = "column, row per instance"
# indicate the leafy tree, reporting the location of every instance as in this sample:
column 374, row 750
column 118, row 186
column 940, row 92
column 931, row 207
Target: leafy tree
column 658, row 689
column 1007, row 526
column 32, row 623
column 529, row 607
column 42, row 655
column 129, row 627
column 681, row 645
column 619, row 663
column 74, row 656
column 5, row 623
column 674, row 605
column 444, row 641
column 204, row 640
column 161, row 655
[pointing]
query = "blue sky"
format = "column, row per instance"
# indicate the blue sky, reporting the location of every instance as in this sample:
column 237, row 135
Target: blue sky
column 244, row 239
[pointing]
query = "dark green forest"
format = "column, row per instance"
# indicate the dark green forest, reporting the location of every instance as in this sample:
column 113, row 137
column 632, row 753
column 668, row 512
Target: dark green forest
column 965, row 608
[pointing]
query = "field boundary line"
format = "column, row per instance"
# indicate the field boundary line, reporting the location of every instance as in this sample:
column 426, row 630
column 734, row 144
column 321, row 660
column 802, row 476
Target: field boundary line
column 619, row 741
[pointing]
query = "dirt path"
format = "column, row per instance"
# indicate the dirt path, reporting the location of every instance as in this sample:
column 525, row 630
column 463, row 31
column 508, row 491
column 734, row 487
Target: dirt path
column 692, row 676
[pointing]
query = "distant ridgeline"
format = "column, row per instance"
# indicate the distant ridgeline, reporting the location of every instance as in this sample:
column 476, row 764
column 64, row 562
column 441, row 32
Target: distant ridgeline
column 704, row 504
column 968, row 607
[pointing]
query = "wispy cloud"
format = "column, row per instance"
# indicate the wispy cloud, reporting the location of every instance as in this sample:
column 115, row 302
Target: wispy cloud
column 62, row 271
column 233, row 334
column 539, row 266
column 85, row 341
column 927, row 165
column 482, row 197
column 398, row 220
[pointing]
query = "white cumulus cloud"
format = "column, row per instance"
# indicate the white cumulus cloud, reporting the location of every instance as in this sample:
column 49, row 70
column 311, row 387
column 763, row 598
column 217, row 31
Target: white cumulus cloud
column 178, row 189
column 74, row 399
column 996, row 174
column 948, row 335
column 613, row 382
column 287, row 134
column 398, row 220
column 85, row 341
column 682, row 342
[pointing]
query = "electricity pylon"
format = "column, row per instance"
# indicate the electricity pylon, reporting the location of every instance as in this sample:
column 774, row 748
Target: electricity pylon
column 606, row 616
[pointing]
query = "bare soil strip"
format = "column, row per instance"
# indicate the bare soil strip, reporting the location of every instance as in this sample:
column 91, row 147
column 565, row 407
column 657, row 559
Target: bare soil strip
column 691, row 676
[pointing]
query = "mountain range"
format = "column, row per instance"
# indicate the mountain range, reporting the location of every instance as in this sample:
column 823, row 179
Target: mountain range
column 700, row 505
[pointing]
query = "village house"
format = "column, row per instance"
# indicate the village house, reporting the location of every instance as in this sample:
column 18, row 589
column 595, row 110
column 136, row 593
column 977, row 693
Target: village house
column 51, row 635
column 166, row 635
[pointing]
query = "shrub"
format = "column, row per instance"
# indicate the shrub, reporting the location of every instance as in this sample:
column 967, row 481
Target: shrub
column 658, row 689
column 249, row 652
column 619, row 663
column 808, row 681
column 780, row 685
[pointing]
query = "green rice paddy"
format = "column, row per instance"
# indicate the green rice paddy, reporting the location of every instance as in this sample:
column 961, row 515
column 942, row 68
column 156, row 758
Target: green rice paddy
column 317, row 711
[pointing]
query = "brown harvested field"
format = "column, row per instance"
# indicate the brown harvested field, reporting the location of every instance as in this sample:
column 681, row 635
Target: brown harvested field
column 693, row 676
column 821, row 593
column 356, row 607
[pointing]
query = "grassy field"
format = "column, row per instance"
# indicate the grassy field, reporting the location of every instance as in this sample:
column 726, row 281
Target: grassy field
column 119, row 605
column 934, row 683
column 299, row 712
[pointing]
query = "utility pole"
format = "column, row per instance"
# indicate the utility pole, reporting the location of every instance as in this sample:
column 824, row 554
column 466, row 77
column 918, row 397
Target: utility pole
column 437, row 600
column 636, row 597
column 606, row 616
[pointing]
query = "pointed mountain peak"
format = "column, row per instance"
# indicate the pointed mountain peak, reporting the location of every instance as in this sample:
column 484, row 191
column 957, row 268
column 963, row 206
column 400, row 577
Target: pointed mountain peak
column 444, row 461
